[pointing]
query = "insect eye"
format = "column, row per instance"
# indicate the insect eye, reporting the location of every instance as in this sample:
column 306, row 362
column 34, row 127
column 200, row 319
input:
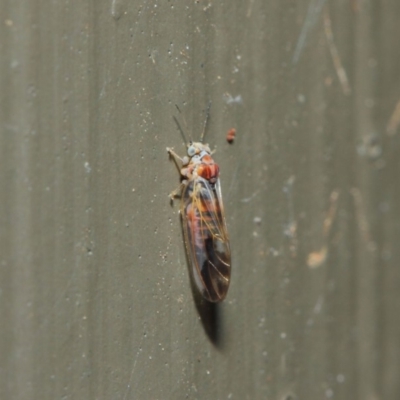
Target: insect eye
column 191, row 151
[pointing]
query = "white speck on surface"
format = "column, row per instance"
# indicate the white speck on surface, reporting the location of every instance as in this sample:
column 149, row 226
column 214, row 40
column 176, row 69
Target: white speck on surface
column 340, row 378
column 301, row 98
column 232, row 99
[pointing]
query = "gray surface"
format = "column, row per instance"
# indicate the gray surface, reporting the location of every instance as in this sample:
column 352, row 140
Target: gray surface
column 95, row 297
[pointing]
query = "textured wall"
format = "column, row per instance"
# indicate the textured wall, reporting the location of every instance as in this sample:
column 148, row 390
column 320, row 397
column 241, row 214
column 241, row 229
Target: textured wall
column 96, row 301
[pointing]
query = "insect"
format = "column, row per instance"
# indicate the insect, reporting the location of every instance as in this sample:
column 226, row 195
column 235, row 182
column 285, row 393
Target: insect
column 230, row 136
column 203, row 218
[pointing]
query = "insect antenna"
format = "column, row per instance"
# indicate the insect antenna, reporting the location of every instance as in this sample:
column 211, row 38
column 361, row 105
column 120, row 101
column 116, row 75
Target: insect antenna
column 205, row 122
column 179, row 125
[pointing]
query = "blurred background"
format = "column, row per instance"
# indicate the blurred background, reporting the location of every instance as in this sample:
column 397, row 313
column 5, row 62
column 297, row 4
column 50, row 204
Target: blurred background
column 95, row 296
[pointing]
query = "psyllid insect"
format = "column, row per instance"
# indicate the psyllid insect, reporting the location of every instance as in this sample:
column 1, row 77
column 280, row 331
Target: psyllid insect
column 203, row 219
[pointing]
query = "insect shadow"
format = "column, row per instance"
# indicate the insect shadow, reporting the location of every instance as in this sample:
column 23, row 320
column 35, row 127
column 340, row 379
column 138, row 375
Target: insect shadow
column 210, row 313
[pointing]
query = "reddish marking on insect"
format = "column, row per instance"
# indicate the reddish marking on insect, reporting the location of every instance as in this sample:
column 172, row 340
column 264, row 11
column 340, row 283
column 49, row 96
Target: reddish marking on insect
column 203, row 219
column 208, row 172
column 230, row 136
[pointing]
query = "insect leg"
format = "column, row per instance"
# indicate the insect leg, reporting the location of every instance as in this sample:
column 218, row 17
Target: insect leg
column 177, row 193
column 176, row 158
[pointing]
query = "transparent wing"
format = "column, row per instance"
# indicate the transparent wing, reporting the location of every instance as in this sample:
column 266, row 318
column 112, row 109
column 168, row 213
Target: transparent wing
column 206, row 238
